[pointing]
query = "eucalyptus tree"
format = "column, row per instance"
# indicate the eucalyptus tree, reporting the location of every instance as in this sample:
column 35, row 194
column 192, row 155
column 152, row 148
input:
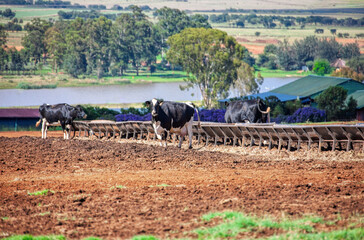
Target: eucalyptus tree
column 210, row 57
column 173, row 21
column 138, row 36
column 3, row 36
column 246, row 82
column 75, row 62
column 56, row 45
column 306, row 49
column 97, row 41
column 34, row 40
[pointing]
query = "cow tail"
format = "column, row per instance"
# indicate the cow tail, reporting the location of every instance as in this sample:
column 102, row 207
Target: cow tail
column 38, row 123
column 264, row 112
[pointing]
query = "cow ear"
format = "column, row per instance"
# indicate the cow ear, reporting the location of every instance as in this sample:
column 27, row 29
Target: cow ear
column 147, row 103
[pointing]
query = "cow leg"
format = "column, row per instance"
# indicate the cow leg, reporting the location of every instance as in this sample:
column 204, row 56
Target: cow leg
column 63, row 124
column 44, row 128
column 180, row 141
column 190, row 133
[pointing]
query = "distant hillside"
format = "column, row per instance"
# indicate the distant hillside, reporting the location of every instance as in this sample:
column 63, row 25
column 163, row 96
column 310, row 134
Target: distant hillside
column 201, row 5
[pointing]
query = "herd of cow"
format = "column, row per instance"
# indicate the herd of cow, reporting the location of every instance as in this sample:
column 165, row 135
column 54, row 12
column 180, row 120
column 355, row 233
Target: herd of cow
column 167, row 117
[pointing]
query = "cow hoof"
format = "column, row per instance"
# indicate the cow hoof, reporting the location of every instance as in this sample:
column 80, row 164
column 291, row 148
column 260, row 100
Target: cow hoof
column 190, row 147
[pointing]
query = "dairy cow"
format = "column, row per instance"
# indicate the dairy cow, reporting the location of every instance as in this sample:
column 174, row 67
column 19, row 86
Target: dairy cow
column 62, row 113
column 173, row 117
column 251, row 111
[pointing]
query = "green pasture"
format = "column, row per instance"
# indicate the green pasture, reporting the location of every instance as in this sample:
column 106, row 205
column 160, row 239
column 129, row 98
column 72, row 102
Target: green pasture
column 27, row 13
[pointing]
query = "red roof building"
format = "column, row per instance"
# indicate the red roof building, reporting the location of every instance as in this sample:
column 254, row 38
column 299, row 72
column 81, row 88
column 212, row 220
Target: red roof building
column 13, row 119
column 19, row 113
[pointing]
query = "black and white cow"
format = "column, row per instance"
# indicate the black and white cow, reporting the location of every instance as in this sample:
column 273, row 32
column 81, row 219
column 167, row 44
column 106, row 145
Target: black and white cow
column 252, row 111
column 173, row 117
column 62, row 113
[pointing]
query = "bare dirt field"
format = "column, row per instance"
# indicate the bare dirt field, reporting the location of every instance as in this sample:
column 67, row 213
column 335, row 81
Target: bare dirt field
column 119, row 189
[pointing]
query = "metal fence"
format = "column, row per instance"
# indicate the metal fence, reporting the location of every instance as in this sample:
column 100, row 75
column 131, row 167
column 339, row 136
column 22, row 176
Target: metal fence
column 334, row 137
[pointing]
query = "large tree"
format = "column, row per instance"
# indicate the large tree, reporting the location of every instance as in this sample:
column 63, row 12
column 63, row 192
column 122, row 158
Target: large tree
column 140, row 38
column 75, row 60
column 56, row 46
column 34, row 40
column 210, row 57
column 332, row 100
column 97, row 40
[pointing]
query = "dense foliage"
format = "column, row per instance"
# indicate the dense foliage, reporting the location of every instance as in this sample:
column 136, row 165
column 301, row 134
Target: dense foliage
column 94, row 113
column 333, row 101
column 304, row 52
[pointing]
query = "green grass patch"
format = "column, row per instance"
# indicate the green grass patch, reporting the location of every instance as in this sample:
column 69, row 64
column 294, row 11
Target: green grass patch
column 233, row 223
column 24, row 85
column 268, row 73
column 144, row 237
column 42, row 193
column 347, row 234
column 118, row 187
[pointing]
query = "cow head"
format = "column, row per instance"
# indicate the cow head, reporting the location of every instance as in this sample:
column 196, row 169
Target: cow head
column 154, row 105
column 80, row 112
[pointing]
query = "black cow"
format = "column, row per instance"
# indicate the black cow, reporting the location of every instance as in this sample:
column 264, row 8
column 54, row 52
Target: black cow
column 62, row 113
column 252, row 111
column 173, row 117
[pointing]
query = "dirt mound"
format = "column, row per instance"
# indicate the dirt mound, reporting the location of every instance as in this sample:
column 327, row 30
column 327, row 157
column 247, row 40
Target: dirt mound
column 112, row 189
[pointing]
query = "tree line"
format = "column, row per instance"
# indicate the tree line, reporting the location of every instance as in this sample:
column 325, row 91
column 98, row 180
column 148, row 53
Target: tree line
column 98, row 45
column 286, row 21
column 304, row 52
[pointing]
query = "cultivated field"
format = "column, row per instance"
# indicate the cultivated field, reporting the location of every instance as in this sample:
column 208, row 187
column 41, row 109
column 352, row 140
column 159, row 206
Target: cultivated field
column 117, row 190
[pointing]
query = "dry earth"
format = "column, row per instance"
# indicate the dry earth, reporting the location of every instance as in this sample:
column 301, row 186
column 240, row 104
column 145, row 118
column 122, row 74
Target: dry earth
column 118, row 189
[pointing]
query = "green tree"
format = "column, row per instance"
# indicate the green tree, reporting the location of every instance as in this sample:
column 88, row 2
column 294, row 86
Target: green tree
column 97, row 40
column 321, row 67
column 357, row 64
column 332, row 100
column 56, row 46
column 75, row 60
column 140, row 37
column 246, row 83
column 4, row 58
column 16, row 60
column 210, row 57
column 329, row 49
column 350, row 50
column 3, row 36
column 306, row 49
column 287, row 57
column 34, row 40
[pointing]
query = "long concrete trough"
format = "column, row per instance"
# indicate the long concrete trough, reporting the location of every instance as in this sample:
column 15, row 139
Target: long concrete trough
column 334, row 137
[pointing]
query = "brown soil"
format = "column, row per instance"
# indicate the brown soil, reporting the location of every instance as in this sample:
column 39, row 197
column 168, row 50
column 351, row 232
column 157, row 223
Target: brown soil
column 118, row 189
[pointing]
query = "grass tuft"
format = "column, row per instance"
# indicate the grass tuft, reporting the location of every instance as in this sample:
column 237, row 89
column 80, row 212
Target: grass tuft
column 43, row 193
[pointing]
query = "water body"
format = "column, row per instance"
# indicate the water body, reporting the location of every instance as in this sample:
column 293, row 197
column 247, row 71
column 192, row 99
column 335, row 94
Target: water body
column 131, row 93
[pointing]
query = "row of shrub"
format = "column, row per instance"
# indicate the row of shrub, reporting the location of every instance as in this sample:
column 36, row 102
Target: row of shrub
column 305, row 114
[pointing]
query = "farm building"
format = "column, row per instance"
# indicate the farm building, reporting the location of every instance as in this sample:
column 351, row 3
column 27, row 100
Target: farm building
column 308, row 88
column 18, row 118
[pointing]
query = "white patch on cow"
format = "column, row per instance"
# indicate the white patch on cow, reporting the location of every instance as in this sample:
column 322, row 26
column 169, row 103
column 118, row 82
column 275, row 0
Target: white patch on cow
column 154, row 101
